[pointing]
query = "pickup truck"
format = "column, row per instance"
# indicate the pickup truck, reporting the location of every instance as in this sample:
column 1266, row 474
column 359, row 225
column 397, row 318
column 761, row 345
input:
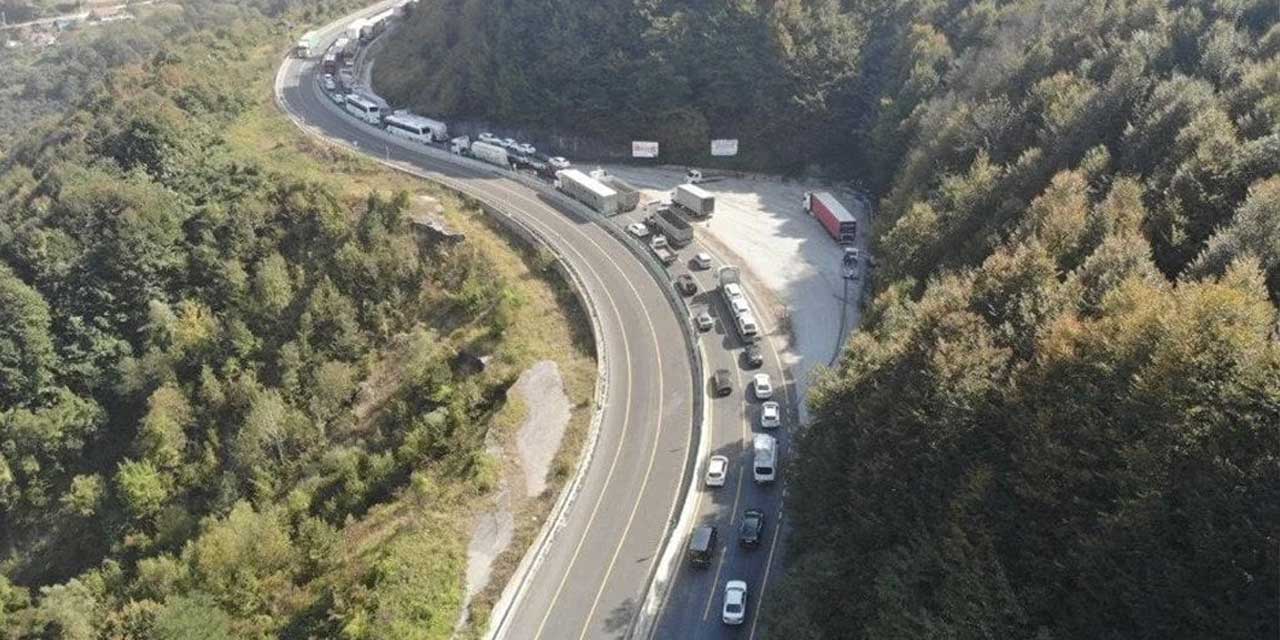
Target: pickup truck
column 665, row 255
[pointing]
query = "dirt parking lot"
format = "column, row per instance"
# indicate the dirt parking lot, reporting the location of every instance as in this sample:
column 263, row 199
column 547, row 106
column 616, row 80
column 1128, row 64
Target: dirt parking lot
column 787, row 256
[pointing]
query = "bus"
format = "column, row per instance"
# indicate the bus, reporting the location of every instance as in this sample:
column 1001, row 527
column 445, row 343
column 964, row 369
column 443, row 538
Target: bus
column 363, row 108
column 416, row 128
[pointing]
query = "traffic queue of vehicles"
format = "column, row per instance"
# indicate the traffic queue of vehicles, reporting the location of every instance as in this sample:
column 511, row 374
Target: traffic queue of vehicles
column 666, row 230
column 663, row 231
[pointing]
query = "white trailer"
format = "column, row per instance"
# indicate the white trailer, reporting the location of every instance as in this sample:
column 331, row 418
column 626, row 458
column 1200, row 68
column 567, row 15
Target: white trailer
column 491, row 153
column 696, row 200
column 416, row 127
column 588, row 191
column 306, row 46
column 354, row 28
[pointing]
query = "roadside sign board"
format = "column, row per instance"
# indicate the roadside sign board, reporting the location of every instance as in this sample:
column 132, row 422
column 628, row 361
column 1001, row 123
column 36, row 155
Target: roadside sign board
column 727, row 147
column 643, row 149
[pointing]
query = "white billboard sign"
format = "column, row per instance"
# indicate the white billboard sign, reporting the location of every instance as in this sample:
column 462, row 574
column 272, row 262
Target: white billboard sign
column 642, row 149
column 724, row 147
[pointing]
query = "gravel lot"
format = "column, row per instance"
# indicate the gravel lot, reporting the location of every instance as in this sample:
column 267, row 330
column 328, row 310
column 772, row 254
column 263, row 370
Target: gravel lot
column 786, row 255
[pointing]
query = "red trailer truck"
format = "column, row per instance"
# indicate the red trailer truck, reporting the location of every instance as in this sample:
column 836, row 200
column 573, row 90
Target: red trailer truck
column 837, row 220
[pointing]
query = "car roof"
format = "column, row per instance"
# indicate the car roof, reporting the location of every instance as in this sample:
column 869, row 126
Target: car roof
column 736, row 584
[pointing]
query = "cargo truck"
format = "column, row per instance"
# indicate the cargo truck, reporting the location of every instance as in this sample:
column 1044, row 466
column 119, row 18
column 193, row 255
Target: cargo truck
column 306, row 46
column 588, row 191
column 678, row 230
column 491, row 153
column 460, row 145
column 628, row 196
column 354, row 29
column 837, row 220
column 695, row 200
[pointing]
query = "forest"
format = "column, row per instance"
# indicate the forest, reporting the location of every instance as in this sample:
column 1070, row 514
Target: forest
column 230, row 402
column 1059, row 417
column 41, row 83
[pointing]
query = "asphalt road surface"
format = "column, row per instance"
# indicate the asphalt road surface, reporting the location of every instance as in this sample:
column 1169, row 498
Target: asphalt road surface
column 692, row 606
column 592, row 577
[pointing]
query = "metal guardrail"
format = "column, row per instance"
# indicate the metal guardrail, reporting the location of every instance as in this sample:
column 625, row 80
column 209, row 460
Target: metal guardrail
column 537, row 551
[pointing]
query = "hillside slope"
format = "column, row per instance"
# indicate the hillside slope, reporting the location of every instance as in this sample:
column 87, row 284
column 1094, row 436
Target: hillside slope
column 674, row 71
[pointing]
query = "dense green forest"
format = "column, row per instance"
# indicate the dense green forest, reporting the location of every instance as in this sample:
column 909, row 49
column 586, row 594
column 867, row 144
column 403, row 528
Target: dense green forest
column 40, row 83
column 1061, row 415
column 229, row 404
column 675, row 71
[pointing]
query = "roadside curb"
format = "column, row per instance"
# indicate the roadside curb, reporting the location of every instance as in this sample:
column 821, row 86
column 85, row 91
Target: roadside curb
column 532, row 558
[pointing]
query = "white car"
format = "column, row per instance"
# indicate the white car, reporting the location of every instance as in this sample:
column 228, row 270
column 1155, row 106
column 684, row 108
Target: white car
column 763, row 388
column 489, row 137
column 735, row 602
column 638, row 229
column 509, row 143
column 526, row 149
column 659, row 242
column 770, row 415
column 704, row 321
column 717, row 471
column 702, row 261
column 558, row 162
column 738, row 306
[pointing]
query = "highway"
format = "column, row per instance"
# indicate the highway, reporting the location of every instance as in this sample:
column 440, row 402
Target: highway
column 590, row 575
column 691, row 607
column 589, row 579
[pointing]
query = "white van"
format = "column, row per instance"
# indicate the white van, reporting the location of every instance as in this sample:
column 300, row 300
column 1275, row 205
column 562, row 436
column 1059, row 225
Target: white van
column 765, row 458
column 364, row 109
column 747, row 326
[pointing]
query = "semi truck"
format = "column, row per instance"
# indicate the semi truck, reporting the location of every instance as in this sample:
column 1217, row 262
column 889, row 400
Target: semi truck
column 628, row 196
column 491, row 153
column 695, row 200
column 354, row 29
column 588, row 191
column 836, row 219
column 306, row 46
column 677, row 230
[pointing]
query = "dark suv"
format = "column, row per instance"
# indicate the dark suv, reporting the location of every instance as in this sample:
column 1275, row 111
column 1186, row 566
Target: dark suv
column 753, row 356
column 722, row 383
column 686, row 285
column 752, row 528
column 702, row 546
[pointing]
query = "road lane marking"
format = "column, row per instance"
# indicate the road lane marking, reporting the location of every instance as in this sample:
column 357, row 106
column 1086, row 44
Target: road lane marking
column 566, row 247
column 768, row 564
column 715, row 582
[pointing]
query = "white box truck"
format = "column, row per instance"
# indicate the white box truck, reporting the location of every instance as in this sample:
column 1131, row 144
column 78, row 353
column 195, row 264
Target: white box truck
column 764, row 463
column 588, row 191
column 696, row 200
column 460, row 145
column 491, row 153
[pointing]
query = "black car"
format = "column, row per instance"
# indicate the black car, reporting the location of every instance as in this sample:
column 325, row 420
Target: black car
column 753, row 356
column 686, row 285
column 752, row 528
column 721, row 382
column 702, row 546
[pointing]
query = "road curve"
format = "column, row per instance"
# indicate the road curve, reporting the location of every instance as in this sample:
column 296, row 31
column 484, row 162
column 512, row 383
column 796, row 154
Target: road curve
column 589, row 579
